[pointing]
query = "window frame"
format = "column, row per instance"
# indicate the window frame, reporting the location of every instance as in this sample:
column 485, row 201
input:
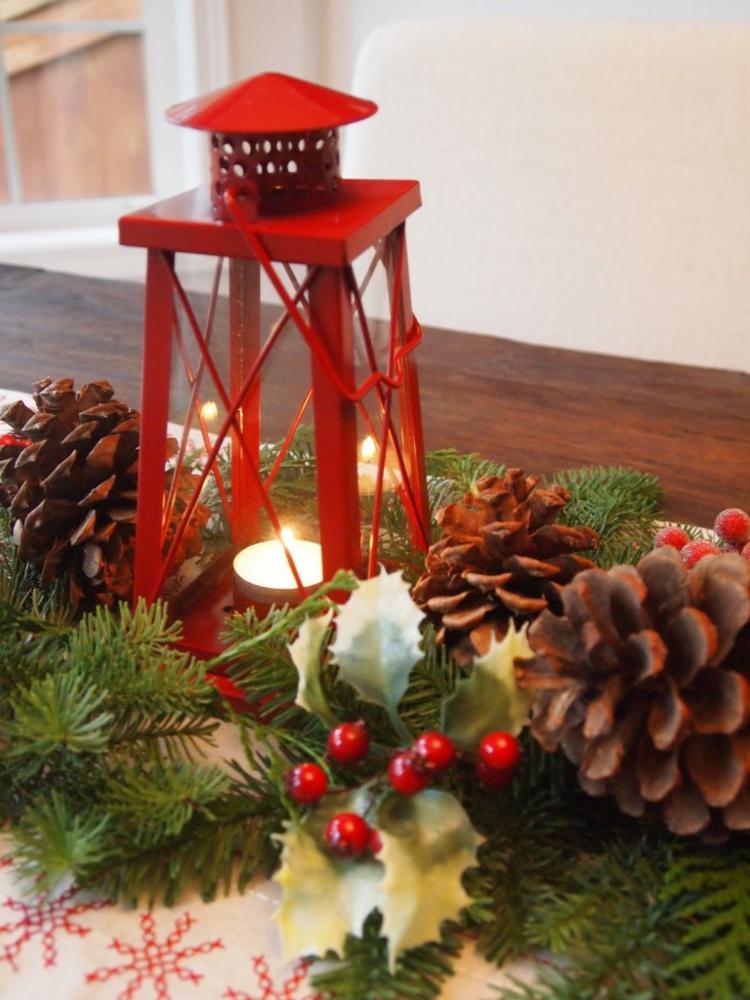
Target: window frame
column 68, row 234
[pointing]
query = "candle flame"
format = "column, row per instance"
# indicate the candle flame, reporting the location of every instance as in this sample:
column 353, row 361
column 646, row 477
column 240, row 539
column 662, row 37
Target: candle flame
column 209, row 411
column 368, row 448
column 287, row 536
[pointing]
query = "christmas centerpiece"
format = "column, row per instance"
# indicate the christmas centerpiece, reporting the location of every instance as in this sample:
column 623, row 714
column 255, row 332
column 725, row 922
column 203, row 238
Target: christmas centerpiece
column 496, row 709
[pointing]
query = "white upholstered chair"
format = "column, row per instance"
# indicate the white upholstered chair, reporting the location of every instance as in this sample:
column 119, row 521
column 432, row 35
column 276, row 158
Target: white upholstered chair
column 586, row 183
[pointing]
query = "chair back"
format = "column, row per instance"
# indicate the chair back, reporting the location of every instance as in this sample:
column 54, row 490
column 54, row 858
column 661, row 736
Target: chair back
column 586, row 183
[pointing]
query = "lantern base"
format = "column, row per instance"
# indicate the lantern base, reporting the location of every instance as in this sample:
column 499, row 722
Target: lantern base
column 204, row 605
column 203, row 608
column 202, row 611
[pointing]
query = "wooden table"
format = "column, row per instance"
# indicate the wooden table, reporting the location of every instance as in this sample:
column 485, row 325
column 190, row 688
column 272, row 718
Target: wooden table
column 538, row 407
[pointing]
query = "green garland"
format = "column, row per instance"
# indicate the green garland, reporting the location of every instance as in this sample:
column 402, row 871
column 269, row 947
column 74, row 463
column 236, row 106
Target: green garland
column 104, row 728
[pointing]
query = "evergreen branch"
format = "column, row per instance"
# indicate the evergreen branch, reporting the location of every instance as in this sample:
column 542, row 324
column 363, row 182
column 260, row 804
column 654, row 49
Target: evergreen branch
column 362, row 971
column 211, row 853
column 620, row 504
column 710, row 891
column 159, row 800
column 132, row 641
column 249, row 635
column 58, row 712
column 172, row 734
column 23, row 601
column 157, row 695
column 55, row 838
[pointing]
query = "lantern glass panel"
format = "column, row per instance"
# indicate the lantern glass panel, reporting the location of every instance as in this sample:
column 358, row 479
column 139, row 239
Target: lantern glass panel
column 196, row 413
column 259, row 477
column 386, row 497
column 240, row 468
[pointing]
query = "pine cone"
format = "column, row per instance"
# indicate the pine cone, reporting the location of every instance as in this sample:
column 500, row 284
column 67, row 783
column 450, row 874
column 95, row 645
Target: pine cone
column 69, row 479
column 500, row 556
column 645, row 684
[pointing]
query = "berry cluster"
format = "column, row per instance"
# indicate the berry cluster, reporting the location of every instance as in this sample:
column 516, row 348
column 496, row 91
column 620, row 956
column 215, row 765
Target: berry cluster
column 409, row 771
column 732, row 528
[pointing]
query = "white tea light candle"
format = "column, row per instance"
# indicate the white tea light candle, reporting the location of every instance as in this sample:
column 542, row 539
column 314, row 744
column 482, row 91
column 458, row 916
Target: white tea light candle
column 262, row 574
column 367, row 469
column 209, row 411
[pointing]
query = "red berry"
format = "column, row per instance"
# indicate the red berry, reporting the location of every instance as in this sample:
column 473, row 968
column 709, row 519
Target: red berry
column 348, row 742
column 733, row 525
column 348, row 835
column 499, row 751
column 491, row 777
column 435, row 751
column 671, row 535
column 405, row 774
column 13, row 439
column 306, row 783
column 376, row 842
column 693, row 552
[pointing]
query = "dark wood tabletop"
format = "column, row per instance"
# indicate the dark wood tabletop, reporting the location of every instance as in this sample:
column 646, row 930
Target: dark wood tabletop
column 538, row 407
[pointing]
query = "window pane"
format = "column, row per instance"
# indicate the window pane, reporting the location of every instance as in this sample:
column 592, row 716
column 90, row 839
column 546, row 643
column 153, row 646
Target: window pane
column 3, row 178
column 79, row 110
column 69, row 10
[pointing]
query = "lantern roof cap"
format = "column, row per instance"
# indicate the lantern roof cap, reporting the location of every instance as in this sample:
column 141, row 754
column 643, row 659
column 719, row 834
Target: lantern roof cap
column 271, row 103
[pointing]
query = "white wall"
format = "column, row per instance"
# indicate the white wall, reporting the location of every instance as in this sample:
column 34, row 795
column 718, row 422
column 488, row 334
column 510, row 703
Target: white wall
column 281, row 35
column 319, row 39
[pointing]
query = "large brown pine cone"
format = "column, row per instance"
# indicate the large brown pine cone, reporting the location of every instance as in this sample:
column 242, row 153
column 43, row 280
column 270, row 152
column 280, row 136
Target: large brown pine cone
column 70, row 481
column 645, row 684
column 500, row 555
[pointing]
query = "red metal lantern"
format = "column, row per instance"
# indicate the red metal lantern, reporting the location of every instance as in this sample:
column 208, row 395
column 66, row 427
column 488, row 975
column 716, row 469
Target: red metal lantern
column 275, row 203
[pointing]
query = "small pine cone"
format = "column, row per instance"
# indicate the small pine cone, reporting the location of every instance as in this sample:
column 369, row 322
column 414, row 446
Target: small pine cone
column 69, row 476
column 644, row 683
column 500, row 556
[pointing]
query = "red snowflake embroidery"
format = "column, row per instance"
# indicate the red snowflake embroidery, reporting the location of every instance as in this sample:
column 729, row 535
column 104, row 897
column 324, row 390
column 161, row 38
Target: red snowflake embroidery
column 154, row 960
column 268, row 990
column 43, row 918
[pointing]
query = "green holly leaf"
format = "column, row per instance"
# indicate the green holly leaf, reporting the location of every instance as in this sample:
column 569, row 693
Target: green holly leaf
column 428, row 843
column 322, row 898
column 378, row 639
column 415, row 882
column 307, row 652
column 489, row 698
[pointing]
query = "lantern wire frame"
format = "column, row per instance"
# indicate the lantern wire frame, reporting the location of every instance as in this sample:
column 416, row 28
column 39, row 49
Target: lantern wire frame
column 378, row 386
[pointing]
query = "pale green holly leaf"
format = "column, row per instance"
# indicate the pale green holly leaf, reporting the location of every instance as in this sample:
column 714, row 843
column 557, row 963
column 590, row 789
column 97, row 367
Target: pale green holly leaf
column 323, row 898
column 377, row 639
column 306, row 652
column 428, row 843
column 415, row 882
column 489, row 698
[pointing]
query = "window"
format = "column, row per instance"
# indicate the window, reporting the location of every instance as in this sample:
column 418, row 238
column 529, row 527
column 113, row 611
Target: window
column 72, row 100
column 83, row 88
